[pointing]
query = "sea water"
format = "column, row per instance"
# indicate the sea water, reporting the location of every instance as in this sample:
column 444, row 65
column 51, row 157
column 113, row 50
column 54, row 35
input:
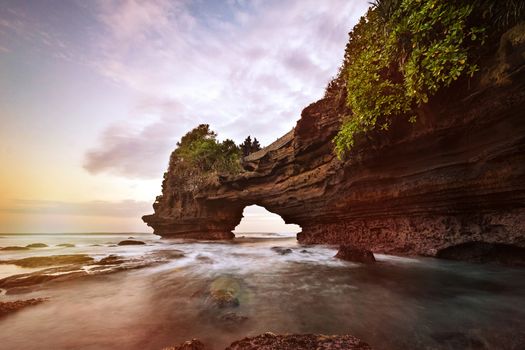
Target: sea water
column 397, row 303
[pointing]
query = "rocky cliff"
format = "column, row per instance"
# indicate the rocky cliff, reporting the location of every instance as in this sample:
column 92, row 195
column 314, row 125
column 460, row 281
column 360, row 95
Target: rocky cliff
column 455, row 176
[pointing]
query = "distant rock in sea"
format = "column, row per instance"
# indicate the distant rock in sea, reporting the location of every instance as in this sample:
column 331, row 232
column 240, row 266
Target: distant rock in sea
column 37, row 245
column 14, row 248
column 130, row 242
column 66, row 245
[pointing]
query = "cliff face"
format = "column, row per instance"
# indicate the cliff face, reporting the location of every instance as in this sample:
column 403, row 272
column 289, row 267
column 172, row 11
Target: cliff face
column 455, row 176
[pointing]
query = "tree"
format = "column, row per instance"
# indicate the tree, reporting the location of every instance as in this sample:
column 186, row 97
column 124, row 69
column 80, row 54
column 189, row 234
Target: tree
column 246, row 146
column 249, row 146
column 255, row 145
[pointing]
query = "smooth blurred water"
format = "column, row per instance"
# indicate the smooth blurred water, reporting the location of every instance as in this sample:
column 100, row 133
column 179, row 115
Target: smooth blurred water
column 398, row 303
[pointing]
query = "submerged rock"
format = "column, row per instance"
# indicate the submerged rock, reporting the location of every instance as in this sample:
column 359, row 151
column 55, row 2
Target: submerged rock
column 233, row 319
column 37, row 245
column 224, row 298
column 350, row 253
column 66, row 245
column 12, row 306
column 130, row 242
column 270, row 341
column 282, row 250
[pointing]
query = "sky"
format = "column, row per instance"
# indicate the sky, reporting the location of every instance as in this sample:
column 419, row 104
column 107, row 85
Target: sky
column 95, row 94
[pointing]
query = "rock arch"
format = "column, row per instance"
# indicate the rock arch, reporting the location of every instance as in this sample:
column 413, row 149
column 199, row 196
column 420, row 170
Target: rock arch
column 455, row 176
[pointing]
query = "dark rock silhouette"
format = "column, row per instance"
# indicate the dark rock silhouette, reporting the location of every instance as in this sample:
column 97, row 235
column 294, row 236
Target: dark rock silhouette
column 130, row 242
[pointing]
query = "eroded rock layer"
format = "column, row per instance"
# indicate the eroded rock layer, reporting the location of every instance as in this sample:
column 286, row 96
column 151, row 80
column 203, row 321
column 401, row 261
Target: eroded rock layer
column 455, row 176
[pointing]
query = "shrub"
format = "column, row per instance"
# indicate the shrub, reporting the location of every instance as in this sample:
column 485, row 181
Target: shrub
column 400, row 54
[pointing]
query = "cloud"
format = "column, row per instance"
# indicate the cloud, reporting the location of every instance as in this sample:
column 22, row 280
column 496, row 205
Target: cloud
column 244, row 67
column 124, row 209
column 132, row 150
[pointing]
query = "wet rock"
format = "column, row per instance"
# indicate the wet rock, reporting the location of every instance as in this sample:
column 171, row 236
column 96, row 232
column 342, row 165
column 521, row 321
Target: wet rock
column 53, row 260
column 14, row 248
column 12, row 306
column 281, row 250
column 226, row 291
column 270, row 341
column 193, row 344
column 131, row 242
column 37, row 245
column 66, row 245
column 350, row 253
column 304, row 251
column 204, row 259
column 224, row 298
column 111, row 260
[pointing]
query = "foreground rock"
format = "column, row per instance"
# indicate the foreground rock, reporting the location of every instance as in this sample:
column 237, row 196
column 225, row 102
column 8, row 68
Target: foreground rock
column 270, row 341
column 193, row 344
column 131, row 242
column 350, row 253
column 12, row 306
column 454, row 176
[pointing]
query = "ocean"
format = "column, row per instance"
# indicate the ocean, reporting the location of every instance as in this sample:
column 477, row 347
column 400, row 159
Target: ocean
column 164, row 292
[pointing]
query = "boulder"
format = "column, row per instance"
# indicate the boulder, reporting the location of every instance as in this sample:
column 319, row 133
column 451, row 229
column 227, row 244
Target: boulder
column 350, row 253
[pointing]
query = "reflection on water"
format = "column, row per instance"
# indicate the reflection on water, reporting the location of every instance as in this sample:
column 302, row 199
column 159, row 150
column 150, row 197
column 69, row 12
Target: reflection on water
column 398, row 303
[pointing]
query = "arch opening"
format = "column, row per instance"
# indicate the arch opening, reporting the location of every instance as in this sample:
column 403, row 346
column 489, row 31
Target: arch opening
column 258, row 221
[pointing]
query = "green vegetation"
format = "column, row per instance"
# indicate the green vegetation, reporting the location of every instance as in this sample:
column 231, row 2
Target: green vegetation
column 403, row 51
column 199, row 157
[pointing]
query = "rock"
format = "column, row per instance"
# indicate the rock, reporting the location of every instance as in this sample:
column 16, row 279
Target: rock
column 270, row 341
column 37, row 245
column 455, row 175
column 14, row 248
column 111, row 260
column 130, row 242
column 304, row 251
column 53, row 260
column 12, row 306
column 66, row 245
column 224, row 298
column 350, row 253
column 281, row 250
column 193, row 344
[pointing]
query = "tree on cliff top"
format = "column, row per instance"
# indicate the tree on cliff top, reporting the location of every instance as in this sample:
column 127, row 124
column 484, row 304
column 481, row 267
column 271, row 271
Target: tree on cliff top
column 249, row 146
column 199, row 157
